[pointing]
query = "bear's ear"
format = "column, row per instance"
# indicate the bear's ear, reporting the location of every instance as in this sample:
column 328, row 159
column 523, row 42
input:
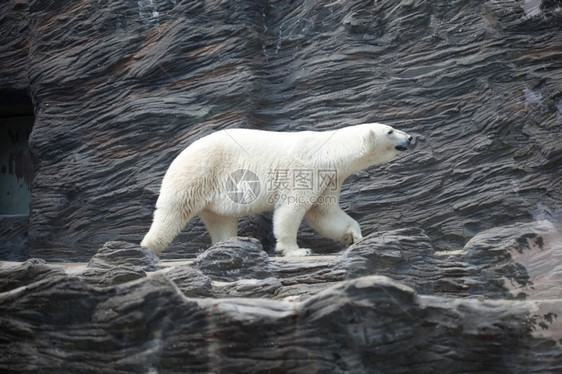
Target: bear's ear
column 369, row 140
column 371, row 136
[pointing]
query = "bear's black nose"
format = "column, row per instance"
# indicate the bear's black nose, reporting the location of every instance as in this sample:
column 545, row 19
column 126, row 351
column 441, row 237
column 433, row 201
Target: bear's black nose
column 410, row 139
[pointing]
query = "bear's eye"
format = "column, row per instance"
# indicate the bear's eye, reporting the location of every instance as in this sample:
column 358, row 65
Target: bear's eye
column 390, row 132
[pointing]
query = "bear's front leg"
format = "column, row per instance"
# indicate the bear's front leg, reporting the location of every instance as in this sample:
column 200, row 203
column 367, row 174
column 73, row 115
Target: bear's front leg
column 332, row 222
column 286, row 222
column 352, row 233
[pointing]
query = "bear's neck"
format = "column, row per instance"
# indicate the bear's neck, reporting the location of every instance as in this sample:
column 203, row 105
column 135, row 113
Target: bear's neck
column 345, row 168
column 349, row 159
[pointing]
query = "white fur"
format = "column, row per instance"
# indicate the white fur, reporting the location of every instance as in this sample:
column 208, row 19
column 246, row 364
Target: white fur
column 196, row 182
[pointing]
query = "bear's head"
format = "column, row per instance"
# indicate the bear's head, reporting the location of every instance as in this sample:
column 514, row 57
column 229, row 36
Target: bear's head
column 385, row 142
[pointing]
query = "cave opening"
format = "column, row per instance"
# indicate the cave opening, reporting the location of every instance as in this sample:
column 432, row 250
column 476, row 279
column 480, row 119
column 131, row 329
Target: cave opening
column 16, row 164
column 16, row 172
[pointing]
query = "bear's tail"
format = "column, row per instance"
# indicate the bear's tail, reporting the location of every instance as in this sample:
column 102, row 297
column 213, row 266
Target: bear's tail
column 166, row 225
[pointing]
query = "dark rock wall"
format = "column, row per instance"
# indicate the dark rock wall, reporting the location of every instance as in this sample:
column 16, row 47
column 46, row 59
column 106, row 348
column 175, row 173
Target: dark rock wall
column 14, row 48
column 120, row 87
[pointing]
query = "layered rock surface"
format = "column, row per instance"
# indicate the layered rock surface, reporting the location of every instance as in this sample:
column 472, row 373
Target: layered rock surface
column 121, row 87
column 485, row 308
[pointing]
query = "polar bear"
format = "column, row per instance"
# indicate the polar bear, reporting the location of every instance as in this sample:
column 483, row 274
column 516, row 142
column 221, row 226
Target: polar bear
column 237, row 172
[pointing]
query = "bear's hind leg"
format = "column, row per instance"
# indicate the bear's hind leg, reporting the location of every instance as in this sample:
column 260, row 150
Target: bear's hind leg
column 286, row 222
column 220, row 227
column 333, row 223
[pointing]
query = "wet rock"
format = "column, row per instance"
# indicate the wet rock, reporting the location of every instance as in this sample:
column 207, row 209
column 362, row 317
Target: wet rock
column 234, row 259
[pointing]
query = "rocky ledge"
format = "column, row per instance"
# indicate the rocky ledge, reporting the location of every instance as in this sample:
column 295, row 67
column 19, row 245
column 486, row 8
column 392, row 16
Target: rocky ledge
column 388, row 304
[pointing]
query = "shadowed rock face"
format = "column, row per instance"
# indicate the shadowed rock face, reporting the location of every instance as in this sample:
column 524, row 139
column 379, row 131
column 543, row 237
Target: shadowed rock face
column 121, row 87
column 485, row 308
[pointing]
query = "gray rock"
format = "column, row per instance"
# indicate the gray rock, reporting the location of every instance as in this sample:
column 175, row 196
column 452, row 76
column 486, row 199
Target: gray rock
column 118, row 253
column 297, row 271
column 494, row 264
column 253, row 288
column 14, row 18
column 516, row 261
column 405, row 255
column 235, row 259
column 112, row 276
column 179, row 319
column 13, row 238
column 191, row 282
column 367, row 324
column 119, row 262
column 30, row 271
column 120, row 89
